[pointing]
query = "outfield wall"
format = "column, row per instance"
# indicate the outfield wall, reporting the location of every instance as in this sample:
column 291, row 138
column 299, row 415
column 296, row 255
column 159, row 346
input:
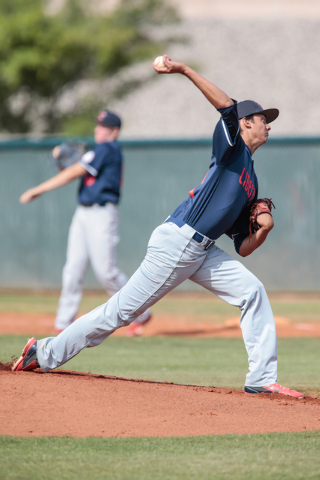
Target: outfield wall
column 157, row 176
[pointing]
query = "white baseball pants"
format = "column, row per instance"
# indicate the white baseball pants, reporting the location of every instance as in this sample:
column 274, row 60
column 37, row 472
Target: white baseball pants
column 93, row 237
column 172, row 257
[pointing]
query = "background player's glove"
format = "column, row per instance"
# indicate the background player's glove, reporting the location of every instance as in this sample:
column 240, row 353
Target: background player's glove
column 260, row 206
column 66, row 154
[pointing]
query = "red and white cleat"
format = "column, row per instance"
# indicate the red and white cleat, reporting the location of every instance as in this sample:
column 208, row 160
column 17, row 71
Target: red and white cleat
column 28, row 359
column 274, row 388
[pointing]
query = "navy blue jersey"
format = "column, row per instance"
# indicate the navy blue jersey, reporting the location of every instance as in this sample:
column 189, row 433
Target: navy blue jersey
column 101, row 184
column 240, row 229
column 220, row 203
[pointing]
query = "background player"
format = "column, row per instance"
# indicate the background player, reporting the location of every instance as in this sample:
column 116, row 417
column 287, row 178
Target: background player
column 183, row 247
column 93, row 233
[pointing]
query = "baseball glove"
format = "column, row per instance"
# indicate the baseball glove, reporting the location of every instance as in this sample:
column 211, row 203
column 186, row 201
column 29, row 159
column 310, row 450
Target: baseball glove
column 66, row 154
column 262, row 205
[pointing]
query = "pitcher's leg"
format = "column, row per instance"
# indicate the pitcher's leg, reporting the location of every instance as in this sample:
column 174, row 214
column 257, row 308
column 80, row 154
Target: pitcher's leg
column 87, row 331
column 231, row 281
column 259, row 335
column 169, row 261
column 73, row 274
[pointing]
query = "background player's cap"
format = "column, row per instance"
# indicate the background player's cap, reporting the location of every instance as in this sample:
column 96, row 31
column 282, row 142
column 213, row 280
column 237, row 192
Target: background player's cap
column 249, row 107
column 109, row 119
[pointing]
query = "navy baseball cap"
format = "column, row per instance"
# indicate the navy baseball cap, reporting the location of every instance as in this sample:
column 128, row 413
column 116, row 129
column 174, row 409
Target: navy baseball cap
column 109, row 119
column 249, row 107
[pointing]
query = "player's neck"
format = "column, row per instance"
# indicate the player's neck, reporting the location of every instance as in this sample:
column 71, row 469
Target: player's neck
column 251, row 143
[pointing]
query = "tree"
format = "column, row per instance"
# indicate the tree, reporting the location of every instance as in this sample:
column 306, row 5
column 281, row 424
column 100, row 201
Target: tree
column 40, row 53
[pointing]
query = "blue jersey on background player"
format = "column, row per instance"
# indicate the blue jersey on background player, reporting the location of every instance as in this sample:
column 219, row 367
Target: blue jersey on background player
column 101, row 183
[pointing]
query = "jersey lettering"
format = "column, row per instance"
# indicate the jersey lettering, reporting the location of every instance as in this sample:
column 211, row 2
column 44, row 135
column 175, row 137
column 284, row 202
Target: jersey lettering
column 247, row 184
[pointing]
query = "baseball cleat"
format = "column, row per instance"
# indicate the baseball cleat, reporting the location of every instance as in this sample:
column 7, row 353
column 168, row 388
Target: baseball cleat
column 136, row 329
column 274, row 388
column 28, row 359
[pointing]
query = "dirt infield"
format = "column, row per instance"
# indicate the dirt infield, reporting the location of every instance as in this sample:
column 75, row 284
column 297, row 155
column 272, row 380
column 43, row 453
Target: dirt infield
column 161, row 325
column 66, row 403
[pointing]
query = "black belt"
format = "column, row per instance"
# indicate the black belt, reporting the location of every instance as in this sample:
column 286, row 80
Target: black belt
column 197, row 236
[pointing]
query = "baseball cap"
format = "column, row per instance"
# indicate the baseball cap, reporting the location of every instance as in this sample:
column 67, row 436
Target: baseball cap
column 249, row 107
column 109, row 119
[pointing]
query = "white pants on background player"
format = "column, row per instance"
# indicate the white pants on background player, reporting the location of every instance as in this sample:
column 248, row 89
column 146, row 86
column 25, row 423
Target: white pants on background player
column 93, row 237
column 172, row 257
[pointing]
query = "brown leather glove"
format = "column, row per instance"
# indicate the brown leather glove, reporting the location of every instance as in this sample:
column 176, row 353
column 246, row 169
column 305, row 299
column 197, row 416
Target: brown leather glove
column 260, row 206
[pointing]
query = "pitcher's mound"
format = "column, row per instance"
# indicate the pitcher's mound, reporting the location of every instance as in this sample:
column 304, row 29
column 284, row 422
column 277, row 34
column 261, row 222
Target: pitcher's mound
column 82, row 404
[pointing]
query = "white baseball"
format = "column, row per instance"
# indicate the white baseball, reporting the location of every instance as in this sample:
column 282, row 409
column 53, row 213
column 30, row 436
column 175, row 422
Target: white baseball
column 159, row 62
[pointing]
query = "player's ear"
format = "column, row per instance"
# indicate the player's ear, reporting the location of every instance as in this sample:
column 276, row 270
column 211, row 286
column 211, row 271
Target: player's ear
column 246, row 123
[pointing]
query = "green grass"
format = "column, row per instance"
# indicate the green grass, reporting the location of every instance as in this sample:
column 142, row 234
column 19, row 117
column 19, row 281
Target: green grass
column 271, row 456
column 197, row 307
column 208, row 361
column 220, row 362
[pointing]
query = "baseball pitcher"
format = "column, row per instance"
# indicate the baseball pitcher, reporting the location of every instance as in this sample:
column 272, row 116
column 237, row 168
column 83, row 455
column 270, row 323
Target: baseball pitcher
column 225, row 202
